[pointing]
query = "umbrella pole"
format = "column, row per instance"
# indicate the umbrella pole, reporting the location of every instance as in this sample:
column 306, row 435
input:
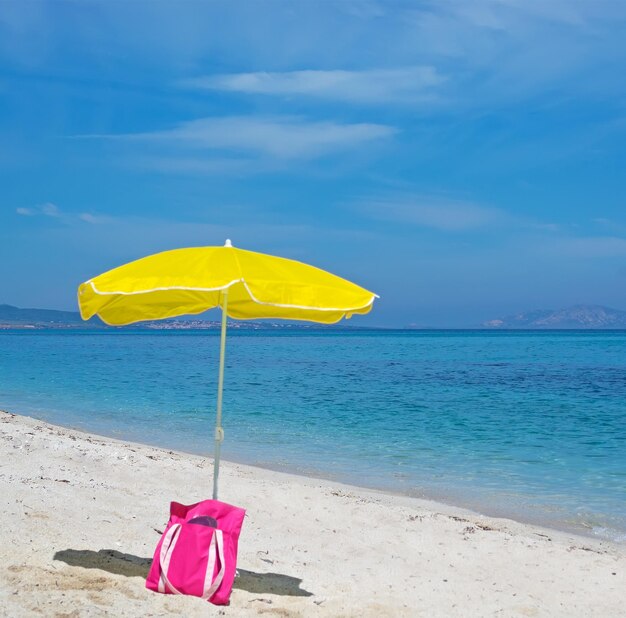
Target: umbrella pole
column 219, row 432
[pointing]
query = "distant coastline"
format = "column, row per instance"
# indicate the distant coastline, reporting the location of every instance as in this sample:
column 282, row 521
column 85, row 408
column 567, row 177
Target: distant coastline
column 578, row 317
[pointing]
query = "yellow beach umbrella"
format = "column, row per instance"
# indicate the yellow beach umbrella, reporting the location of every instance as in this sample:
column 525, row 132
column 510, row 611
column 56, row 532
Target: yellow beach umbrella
column 247, row 285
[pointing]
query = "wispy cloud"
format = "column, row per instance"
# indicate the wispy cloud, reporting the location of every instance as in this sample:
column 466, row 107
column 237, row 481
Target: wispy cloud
column 589, row 247
column 438, row 213
column 128, row 237
column 279, row 137
column 403, row 85
column 506, row 15
column 92, row 219
column 48, row 209
column 192, row 165
column 610, row 226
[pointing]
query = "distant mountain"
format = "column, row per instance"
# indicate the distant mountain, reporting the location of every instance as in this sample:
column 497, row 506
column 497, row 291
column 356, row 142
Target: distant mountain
column 10, row 314
column 14, row 317
column 579, row 316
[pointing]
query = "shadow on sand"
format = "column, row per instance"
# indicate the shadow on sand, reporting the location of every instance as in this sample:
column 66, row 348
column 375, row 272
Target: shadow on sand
column 129, row 565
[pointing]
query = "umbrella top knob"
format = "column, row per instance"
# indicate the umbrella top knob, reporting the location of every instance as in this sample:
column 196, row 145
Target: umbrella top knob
column 228, row 243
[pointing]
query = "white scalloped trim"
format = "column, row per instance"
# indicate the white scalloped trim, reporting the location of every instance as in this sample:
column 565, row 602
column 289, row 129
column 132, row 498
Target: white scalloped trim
column 225, row 287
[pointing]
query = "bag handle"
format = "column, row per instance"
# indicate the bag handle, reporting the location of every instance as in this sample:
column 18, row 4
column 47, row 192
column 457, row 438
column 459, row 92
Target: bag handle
column 170, row 538
column 167, row 548
column 211, row 588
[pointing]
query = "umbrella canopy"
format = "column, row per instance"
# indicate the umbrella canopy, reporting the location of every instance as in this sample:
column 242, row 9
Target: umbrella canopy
column 247, row 285
column 189, row 281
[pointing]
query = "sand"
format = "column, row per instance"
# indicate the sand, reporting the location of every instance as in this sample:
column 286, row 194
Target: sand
column 81, row 515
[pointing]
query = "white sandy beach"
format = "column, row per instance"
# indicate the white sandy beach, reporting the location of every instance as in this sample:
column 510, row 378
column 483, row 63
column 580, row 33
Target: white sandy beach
column 80, row 516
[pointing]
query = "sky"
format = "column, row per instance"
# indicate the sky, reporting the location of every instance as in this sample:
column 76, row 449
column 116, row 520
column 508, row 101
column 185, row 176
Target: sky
column 464, row 160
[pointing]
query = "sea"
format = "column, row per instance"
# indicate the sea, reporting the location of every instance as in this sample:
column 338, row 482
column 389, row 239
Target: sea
column 529, row 425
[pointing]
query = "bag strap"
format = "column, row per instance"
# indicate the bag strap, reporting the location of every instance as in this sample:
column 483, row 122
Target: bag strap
column 167, row 549
column 170, row 539
column 211, row 588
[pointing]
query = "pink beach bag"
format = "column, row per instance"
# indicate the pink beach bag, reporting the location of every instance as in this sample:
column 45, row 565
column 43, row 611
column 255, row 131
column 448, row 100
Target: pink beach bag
column 197, row 553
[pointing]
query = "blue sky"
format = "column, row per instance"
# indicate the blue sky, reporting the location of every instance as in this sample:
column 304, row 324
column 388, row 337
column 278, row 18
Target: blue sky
column 464, row 160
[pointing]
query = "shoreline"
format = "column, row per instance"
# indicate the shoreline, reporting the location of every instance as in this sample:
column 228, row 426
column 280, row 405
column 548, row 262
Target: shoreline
column 83, row 514
column 269, row 472
column 441, row 499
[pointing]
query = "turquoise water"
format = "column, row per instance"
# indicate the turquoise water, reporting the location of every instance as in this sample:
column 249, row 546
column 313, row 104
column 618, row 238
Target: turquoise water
column 523, row 424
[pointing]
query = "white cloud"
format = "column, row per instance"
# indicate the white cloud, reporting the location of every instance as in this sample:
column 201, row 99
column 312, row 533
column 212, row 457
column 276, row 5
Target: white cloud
column 93, row 219
column 431, row 212
column 409, row 85
column 278, row 137
column 529, row 42
column 51, row 210
column 47, row 209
